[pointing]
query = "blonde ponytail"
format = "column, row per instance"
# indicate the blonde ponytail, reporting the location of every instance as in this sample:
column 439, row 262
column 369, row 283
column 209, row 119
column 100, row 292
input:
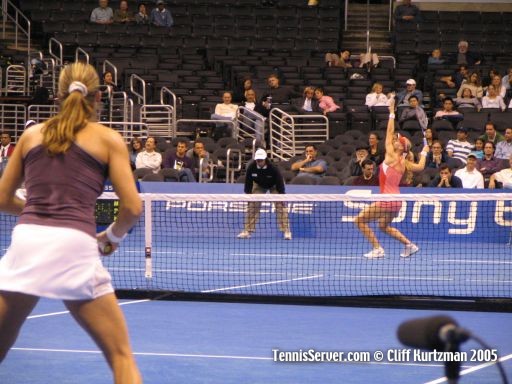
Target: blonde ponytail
column 78, row 85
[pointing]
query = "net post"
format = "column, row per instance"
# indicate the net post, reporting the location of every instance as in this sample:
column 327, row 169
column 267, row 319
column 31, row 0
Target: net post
column 148, row 227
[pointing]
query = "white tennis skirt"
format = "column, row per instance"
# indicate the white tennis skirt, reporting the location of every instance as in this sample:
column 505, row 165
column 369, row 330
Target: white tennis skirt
column 54, row 262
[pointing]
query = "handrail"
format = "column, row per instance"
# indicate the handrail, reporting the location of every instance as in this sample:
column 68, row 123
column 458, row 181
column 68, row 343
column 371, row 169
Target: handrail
column 251, row 124
column 134, row 80
column 18, row 16
column 110, row 67
column 58, row 56
column 166, row 91
column 230, row 173
column 79, row 51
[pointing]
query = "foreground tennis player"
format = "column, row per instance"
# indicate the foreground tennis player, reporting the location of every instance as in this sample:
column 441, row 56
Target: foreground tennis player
column 391, row 172
column 54, row 251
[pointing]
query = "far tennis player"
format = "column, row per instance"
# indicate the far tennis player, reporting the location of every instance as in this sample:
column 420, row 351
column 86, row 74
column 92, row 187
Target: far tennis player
column 54, row 250
column 390, row 174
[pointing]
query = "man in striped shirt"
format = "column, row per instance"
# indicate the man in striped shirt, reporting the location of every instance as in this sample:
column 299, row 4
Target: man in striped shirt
column 460, row 148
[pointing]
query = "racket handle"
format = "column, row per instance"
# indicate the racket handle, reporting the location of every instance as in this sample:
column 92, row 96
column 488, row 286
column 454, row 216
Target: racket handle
column 425, row 142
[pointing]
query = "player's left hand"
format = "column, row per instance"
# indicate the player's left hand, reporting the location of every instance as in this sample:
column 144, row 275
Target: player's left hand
column 105, row 247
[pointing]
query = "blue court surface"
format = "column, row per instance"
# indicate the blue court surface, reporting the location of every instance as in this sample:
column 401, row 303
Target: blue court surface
column 207, row 342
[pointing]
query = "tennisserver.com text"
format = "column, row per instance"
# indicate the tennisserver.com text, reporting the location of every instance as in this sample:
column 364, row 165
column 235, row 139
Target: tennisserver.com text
column 310, row 355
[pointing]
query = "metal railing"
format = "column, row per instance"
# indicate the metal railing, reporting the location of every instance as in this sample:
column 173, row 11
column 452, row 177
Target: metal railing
column 289, row 134
column 138, row 88
column 22, row 26
column 16, row 80
column 159, row 119
column 167, row 97
column 56, row 51
column 251, row 124
column 209, row 122
column 128, row 129
column 80, row 52
column 230, row 170
column 390, row 17
column 40, row 113
column 12, row 119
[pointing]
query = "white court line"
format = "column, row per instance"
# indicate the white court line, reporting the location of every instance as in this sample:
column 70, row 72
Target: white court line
column 264, row 283
column 66, row 312
column 471, row 370
column 281, row 255
column 200, row 271
column 207, row 356
column 461, row 261
column 490, row 281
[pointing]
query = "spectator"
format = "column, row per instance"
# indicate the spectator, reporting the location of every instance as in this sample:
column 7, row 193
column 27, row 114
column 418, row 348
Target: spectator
column 375, row 150
column 142, row 17
column 504, row 177
column 437, row 156
column 493, row 100
column 276, row 94
column 376, row 98
column 102, row 14
column 460, row 147
column 180, row 162
column 263, row 177
column 108, row 81
column 435, row 58
column 123, row 15
column 406, row 13
column 465, row 56
column 445, row 179
column 149, row 158
column 224, row 111
column 410, row 90
column 504, row 147
column 469, row 175
column 368, row 177
column 325, row 103
column 343, row 60
column 6, row 150
column 468, row 100
column 506, row 81
column 308, row 103
column 414, row 112
column 448, row 113
column 488, row 165
column 491, row 134
column 240, row 95
column 498, row 86
column 196, row 154
column 478, row 151
column 355, row 165
column 430, row 136
column 310, row 166
column 136, row 147
column 257, row 124
column 456, row 80
column 474, row 83
column 161, row 16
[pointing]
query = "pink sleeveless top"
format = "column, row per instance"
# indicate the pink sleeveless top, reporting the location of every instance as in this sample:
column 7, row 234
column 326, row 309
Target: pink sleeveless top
column 389, row 181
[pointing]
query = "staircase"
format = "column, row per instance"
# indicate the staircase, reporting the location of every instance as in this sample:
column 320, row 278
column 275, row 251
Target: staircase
column 354, row 38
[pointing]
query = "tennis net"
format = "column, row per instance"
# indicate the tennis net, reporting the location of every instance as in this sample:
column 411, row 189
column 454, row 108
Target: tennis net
column 188, row 244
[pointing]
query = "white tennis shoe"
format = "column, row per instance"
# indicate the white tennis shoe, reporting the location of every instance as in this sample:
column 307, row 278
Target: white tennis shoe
column 409, row 250
column 287, row 235
column 244, row 235
column 375, row 253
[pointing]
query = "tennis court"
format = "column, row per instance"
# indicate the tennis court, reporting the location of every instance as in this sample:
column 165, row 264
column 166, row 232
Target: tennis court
column 188, row 245
column 205, row 342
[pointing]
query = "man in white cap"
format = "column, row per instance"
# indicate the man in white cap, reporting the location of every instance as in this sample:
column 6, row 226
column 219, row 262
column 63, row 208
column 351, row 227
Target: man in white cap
column 263, row 177
column 410, row 90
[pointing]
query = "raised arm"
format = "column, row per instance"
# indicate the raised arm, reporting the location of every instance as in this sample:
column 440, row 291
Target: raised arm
column 390, row 131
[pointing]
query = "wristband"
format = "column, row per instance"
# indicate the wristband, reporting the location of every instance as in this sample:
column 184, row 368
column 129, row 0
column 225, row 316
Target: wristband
column 111, row 237
column 391, row 115
column 423, row 153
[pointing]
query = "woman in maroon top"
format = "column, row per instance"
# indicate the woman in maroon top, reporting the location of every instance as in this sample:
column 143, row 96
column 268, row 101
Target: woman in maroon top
column 55, row 251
